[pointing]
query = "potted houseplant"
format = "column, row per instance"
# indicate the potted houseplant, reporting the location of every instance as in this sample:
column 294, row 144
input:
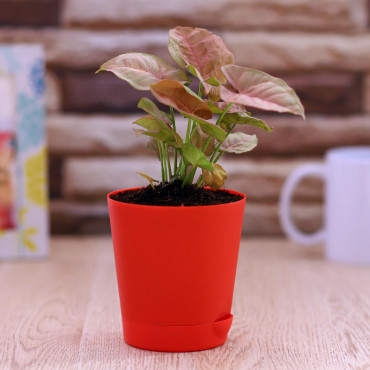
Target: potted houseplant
column 176, row 243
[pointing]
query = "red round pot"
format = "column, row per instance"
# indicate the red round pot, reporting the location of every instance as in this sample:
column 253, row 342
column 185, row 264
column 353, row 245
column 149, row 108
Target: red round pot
column 176, row 271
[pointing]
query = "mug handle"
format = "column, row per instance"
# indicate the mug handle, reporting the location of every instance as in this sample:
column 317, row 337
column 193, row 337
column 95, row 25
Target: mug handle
column 316, row 170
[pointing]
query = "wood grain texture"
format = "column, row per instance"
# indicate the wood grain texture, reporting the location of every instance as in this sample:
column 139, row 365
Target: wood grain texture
column 292, row 310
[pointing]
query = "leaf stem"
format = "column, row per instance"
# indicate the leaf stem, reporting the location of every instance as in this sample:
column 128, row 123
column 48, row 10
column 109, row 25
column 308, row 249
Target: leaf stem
column 168, row 160
column 205, row 146
column 188, row 130
column 223, row 114
column 174, row 149
column 175, row 161
column 182, row 169
column 163, row 162
column 219, row 145
column 161, row 159
column 173, row 118
column 193, row 129
column 227, row 134
column 218, row 157
column 200, row 89
column 189, row 177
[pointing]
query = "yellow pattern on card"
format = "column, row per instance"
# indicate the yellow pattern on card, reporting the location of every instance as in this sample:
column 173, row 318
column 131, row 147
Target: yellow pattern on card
column 26, row 240
column 35, row 173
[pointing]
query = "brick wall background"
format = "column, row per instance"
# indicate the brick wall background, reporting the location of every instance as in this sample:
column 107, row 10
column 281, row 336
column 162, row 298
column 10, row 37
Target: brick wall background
column 320, row 47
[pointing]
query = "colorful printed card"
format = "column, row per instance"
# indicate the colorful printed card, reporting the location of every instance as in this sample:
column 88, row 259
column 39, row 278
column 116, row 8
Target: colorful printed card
column 23, row 174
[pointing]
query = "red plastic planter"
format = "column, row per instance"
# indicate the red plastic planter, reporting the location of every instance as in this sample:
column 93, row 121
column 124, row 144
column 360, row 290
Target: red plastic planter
column 176, row 270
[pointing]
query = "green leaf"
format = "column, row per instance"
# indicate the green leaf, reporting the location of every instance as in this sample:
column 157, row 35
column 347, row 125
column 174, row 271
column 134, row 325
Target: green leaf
column 162, row 135
column 158, row 130
column 151, row 108
column 203, row 53
column 193, row 71
column 243, row 119
column 150, row 123
column 190, row 91
column 175, row 95
column 213, row 81
column 194, row 156
column 259, row 90
column 208, row 127
column 239, row 142
column 141, row 70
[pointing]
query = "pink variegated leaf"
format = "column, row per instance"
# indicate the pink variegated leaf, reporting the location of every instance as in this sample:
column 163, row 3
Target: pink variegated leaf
column 141, row 70
column 259, row 90
column 203, row 53
column 239, row 142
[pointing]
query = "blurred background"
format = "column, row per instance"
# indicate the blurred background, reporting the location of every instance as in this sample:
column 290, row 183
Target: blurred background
column 320, row 47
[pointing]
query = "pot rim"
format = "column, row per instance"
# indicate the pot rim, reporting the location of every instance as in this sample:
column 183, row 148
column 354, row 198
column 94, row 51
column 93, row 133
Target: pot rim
column 175, row 207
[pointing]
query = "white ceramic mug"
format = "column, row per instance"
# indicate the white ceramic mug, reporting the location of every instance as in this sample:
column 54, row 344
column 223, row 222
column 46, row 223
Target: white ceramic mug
column 346, row 234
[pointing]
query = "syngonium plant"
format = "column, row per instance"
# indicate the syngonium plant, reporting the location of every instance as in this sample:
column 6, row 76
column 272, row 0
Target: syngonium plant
column 225, row 90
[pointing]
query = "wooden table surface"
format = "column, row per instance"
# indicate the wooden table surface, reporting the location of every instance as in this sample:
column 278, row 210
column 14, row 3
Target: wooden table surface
column 292, row 310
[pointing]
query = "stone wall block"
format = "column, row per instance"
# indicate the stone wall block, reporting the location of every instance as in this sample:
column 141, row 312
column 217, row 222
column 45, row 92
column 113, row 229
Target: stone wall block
column 93, row 178
column 367, row 94
column 55, row 168
column 300, row 51
column 338, row 15
column 71, row 134
column 87, row 92
column 263, row 219
column 270, row 51
column 79, row 218
column 53, row 93
column 73, row 217
column 82, row 49
column 328, row 93
column 94, row 134
column 262, row 180
column 292, row 136
column 31, row 13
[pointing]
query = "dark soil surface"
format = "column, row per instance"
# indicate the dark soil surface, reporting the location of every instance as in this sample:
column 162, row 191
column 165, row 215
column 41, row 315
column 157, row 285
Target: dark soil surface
column 171, row 194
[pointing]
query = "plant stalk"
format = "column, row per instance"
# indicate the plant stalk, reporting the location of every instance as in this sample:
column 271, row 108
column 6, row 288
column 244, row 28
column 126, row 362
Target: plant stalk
column 218, row 157
column 200, row 89
column 188, row 131
column 167, row 155
column 223, row 114
column 189, row 177
column 161, row 159
column 163, row 162
column 219, row 145
column 174, row 149
column 206, row 144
